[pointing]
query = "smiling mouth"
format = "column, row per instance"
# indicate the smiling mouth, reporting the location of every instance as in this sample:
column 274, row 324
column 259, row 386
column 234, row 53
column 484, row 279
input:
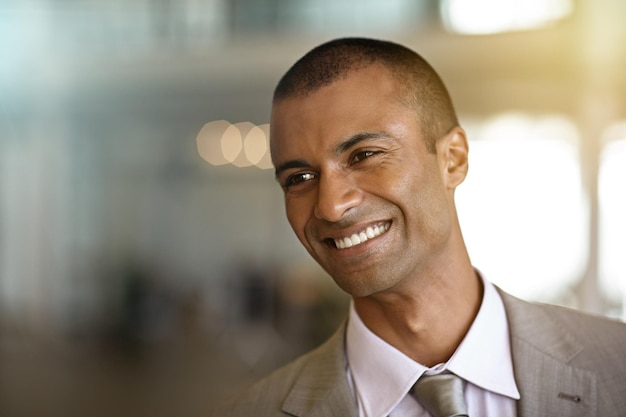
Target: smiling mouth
column 361, row 237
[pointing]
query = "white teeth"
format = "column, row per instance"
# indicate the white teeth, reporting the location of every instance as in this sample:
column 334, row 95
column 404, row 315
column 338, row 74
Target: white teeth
column 363, row 236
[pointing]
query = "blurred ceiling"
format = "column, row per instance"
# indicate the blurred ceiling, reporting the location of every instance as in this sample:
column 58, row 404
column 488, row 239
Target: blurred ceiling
column 224, row 57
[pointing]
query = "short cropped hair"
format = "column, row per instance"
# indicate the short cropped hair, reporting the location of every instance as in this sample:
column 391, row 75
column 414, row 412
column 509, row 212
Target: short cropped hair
column 422, row 88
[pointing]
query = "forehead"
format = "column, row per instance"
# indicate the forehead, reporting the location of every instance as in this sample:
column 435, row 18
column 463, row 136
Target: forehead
column 363, row 99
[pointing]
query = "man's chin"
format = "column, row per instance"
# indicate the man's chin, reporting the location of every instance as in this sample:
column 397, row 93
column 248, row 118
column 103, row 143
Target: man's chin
column 357, row 287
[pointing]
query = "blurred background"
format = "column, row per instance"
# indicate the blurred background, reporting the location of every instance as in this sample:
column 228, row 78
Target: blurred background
column 146, row 265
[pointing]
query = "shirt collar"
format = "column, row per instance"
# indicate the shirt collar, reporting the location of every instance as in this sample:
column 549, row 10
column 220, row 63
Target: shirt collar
column 382, row 375
column 484, row 356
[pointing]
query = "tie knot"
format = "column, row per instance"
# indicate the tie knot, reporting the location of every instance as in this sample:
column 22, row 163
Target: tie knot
column 441, row 395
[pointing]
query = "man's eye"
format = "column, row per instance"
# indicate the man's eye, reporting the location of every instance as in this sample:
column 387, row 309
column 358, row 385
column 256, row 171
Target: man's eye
column 359, row 156
column 300, row 178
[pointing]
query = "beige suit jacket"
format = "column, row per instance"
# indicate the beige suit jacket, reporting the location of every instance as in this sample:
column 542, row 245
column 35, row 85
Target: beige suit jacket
column 566, row 363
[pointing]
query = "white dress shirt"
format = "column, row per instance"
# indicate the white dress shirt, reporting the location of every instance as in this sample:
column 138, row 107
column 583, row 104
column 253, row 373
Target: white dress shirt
column 381, row 375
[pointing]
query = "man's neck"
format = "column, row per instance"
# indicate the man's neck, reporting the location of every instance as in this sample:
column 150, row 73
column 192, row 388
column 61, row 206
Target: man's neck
column 428, row 321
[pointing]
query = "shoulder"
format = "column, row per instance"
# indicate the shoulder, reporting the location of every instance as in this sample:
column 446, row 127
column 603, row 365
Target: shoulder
column 576, row 321
column 265, row 397
column 317, row 370
column 605, row 337
column 601, row 338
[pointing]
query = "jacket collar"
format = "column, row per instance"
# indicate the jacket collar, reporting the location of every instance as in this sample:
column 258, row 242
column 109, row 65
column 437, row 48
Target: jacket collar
column 323, row 390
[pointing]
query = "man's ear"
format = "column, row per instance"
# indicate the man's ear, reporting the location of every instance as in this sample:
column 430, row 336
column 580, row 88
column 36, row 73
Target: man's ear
column 452, row 152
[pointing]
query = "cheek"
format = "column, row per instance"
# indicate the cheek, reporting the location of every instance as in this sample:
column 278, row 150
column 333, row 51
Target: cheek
column 423, row 202
column 434, row 212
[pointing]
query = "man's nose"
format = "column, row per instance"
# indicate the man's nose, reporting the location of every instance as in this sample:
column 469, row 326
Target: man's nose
column 337, row 194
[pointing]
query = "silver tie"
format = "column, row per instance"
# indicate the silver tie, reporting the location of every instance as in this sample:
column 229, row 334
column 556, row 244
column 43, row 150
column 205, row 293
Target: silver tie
column 441, row 395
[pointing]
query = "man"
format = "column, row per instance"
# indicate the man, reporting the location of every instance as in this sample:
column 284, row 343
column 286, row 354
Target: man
column 368, row 150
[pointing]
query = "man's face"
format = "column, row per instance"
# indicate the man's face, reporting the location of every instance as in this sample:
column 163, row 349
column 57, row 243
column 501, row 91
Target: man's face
column 363, row 194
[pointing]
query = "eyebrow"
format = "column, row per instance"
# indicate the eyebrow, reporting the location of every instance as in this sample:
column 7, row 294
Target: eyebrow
column 339, row 149
column 358, row 138
column 296, row 163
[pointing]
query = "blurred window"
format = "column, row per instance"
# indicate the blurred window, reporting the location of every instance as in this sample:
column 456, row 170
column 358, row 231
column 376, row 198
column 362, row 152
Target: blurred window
column 494, row 16
column 612, row 222
column 322, row 16
column 522, row 208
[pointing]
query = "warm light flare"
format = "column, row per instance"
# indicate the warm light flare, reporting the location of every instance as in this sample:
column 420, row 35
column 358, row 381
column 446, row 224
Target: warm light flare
column 241, row 144
column 241, row 160
column 255, row 145
column 494, row 16
column 231, row 143
column 266, row 160
column 209, row 148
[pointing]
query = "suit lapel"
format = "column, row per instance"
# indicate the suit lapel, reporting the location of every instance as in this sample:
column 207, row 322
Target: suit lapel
column 322, row 390
column 542, row 359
